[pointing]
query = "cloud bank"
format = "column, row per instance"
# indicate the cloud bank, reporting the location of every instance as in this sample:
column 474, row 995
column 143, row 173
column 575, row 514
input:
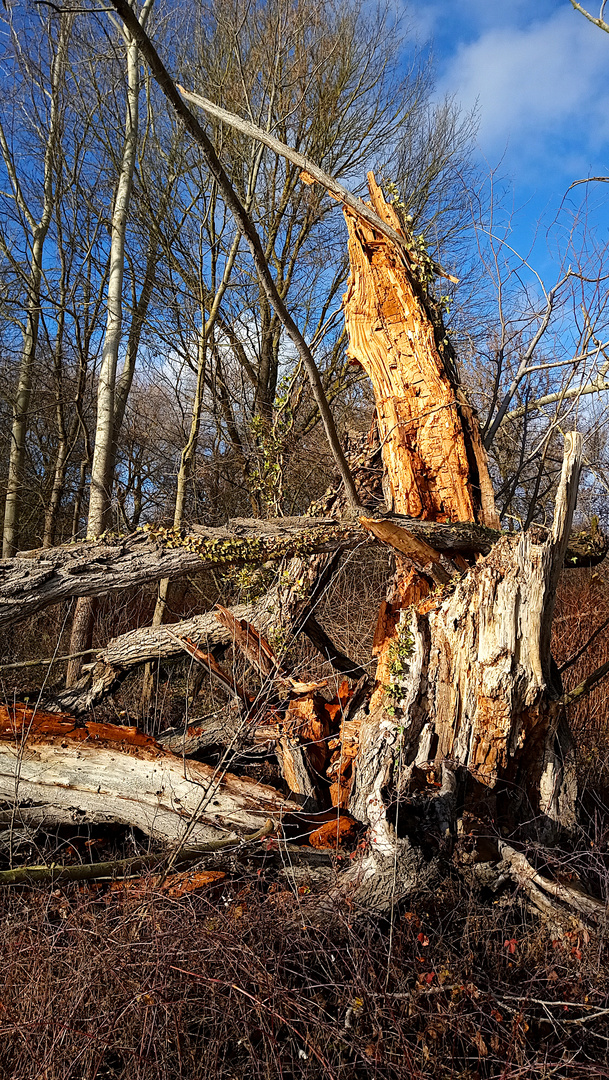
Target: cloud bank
column 541, row 85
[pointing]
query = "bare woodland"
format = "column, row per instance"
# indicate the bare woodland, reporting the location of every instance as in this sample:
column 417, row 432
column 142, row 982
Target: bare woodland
column 466, row 470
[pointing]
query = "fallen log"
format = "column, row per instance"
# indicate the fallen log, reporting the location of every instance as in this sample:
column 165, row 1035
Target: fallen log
column 55, row 770
column 288, row 604
column 37, row 579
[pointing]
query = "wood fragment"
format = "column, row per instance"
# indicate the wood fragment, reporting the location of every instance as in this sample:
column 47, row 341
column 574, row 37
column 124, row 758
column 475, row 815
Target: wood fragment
column 209, row 661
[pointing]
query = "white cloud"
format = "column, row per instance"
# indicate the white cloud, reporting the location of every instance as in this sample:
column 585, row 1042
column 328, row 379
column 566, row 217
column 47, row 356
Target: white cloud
column 540, row 87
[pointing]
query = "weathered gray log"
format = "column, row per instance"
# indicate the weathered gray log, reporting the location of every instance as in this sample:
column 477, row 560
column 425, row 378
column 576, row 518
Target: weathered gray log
column 287, row 604
column 36, row 579
column 475, row 684
column 77, row 776
column 149, row 643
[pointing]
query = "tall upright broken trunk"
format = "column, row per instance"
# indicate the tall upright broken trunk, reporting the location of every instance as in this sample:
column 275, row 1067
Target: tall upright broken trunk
column 464, row 679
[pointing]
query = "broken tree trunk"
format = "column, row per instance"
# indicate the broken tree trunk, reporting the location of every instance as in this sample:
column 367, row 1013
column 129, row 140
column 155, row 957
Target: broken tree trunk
column 465, row 684
column 55, row 771
column 466, row 716
column 35, row 580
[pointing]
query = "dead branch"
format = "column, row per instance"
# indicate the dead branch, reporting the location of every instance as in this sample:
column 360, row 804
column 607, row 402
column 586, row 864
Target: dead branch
column 37, row 579
column 121, row 868
column 588, row 684
column 311, row 172
column 534, row 883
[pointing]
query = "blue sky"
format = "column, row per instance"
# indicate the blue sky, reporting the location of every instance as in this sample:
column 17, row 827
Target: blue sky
column 539, row 75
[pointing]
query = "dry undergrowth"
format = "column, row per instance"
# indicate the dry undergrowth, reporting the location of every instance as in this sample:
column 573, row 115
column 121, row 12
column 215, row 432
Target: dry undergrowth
column 221, row 985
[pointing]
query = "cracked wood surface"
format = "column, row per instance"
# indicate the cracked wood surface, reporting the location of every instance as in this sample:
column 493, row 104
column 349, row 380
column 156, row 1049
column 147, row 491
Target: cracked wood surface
column 35, row 580
column 61, row 771
column 428, row 470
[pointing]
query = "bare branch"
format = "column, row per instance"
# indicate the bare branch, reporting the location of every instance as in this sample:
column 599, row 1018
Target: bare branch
column 524, row 363
column 600, row 22
column 329, row 182
column 595, row 386
column 246, row 227
column 588, row 684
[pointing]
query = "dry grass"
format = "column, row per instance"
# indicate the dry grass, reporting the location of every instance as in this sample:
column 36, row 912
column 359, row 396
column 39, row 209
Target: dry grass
column 224, row 985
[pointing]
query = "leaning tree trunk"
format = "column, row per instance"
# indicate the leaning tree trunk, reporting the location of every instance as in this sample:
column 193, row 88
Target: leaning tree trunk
column 464, row 681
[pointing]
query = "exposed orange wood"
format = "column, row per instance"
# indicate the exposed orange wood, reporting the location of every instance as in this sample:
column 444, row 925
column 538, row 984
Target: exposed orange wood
column 333, row 834
column 420, row 412
column 252, row 644
column 18, row 722
column 209, row 661
column 307, row 719
column 390, row 533
column 174, row 885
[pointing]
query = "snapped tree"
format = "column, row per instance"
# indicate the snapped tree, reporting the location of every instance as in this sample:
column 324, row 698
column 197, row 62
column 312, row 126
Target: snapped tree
column 464, row 724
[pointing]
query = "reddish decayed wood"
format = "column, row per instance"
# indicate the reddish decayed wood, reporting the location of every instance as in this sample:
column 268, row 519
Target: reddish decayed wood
column 334, row 834
column 174, row 885
column 20, row 721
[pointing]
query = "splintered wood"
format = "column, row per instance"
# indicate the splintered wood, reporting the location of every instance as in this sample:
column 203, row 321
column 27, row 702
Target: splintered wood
column 428, row 471
column 55, row 769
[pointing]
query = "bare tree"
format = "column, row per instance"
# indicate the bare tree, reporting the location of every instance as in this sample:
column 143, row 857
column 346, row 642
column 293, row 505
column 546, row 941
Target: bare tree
column 104, row 445
column 38, row 227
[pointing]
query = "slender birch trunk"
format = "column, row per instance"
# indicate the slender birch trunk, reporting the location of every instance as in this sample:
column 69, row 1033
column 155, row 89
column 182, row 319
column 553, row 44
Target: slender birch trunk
column 189, row 450
column 103, row 453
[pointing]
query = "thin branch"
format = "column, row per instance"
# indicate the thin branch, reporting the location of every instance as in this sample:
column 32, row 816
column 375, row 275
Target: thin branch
column 584, row 688
column 597, row 22
column 329, row 182
column 49, row 660
column 595, row 386
column 121, row 868
column 580, row 652
column 524, row 363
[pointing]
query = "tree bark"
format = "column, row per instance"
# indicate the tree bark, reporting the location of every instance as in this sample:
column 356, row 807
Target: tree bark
column 104, row 449
column 466, row 715
column 54, row 771
column 35, row 580
column 39, row 231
